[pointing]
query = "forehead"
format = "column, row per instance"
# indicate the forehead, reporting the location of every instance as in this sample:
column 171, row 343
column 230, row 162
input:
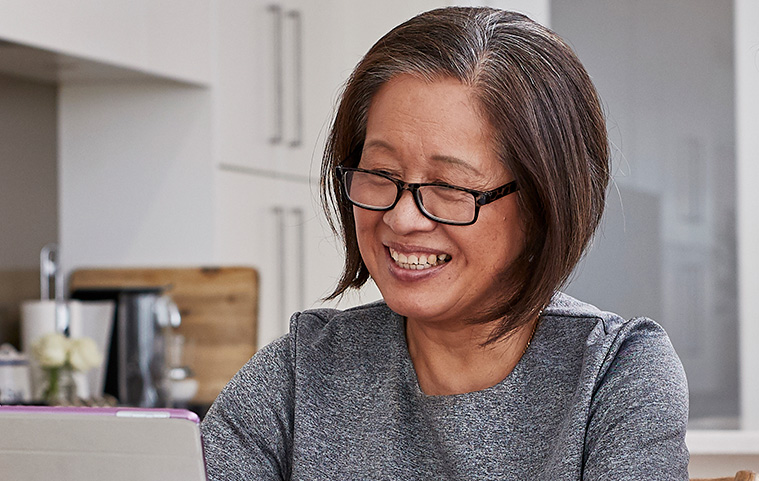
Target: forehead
column 438, row 101
column 432, row 120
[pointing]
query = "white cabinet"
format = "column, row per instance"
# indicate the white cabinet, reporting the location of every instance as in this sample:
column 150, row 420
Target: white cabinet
column 257, row 225
column 275, row 84
column 155, row 37
column 245, row 128
column 280, row 69
column 178, row 39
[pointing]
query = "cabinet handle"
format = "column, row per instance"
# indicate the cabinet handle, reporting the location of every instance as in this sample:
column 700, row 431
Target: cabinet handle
column 295, row 17
column 279, row 215
column 276, row 11
column 300, row 245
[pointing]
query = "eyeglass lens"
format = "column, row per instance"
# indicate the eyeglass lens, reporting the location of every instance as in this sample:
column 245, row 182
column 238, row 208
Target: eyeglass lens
column 374, row 191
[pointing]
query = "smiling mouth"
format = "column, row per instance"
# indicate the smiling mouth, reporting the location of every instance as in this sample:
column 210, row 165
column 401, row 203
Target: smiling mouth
column 418, row 261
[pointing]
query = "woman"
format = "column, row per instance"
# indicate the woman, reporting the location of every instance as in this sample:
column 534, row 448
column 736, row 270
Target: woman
column 473, row 366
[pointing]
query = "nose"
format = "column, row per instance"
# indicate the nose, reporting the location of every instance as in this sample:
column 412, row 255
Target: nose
column 406, row 217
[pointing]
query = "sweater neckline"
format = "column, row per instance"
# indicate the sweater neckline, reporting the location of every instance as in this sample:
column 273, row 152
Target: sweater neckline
column 507, row 384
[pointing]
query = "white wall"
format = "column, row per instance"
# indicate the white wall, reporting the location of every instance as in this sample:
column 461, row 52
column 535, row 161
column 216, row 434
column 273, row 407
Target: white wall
column 136, row 175
column 538, row 10
column 747, row 152
column 28, row 182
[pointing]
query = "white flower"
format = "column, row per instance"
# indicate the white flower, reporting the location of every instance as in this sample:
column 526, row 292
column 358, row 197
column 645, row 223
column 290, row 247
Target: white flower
column 84, row 354
column 51, row 350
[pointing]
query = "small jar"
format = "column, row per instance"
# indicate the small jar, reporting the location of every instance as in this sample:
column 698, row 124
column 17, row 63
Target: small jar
column 59, row 386
column 15, row 386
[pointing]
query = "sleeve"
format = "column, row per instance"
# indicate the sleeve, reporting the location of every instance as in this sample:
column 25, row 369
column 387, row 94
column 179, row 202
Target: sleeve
column 248, row 431
column 639, row 412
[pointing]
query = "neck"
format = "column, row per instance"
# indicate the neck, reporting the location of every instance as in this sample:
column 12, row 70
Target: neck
column 454, row 361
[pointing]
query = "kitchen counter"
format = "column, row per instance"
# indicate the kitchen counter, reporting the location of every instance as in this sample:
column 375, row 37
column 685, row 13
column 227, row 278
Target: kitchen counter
column 722, row 452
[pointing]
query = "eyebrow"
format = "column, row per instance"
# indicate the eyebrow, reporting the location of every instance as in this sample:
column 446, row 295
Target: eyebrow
column 448, row 159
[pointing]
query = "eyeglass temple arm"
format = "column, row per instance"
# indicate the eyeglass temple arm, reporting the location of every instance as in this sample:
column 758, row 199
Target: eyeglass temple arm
column 497, row 193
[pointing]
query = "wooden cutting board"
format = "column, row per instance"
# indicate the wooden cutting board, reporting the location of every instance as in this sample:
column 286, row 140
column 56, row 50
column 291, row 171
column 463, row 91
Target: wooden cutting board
column 219, row 308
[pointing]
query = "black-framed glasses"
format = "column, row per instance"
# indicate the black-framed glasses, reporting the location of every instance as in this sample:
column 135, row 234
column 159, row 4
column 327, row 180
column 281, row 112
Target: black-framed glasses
column 444, row 203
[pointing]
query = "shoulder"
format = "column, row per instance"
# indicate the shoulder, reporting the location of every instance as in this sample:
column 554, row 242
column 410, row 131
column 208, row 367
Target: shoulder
column 637, row 397
column 343, row 345
column 320, row 317
column 313, row 329
column 605, row 333
column 323, row 327
column 266, row 376
column 636, row 393
column 633, row 359
column 256, row 409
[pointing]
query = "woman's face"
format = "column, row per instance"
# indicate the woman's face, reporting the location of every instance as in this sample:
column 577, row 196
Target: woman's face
column 420, row 131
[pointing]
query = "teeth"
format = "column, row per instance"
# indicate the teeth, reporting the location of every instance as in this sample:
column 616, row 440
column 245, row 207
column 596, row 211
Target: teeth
column 418, row 262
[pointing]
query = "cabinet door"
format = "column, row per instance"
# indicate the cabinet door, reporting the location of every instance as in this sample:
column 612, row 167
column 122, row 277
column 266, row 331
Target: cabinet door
column 313, row 77
column 246, row 126
column 281, row 68
column 275, row 84
column 269, row 224
column 322, row 43
column 248, row 231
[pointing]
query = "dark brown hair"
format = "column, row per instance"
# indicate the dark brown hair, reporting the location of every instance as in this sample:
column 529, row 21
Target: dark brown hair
column 547, row 121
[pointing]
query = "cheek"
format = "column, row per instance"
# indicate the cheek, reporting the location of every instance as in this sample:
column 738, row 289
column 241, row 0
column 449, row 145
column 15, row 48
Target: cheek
column 366, row 222
column 503, row 236
column 513, row 222
column 519, row 232
column 362, row 219
column 516, row 233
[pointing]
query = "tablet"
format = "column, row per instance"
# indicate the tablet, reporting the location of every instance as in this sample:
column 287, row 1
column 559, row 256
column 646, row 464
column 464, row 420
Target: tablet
column 79, row 443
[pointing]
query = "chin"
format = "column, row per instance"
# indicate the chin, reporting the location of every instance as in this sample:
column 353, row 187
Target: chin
column 413, row 310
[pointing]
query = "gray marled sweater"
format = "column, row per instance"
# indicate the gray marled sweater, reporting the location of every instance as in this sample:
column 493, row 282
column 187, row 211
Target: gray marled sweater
column 593, row 398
